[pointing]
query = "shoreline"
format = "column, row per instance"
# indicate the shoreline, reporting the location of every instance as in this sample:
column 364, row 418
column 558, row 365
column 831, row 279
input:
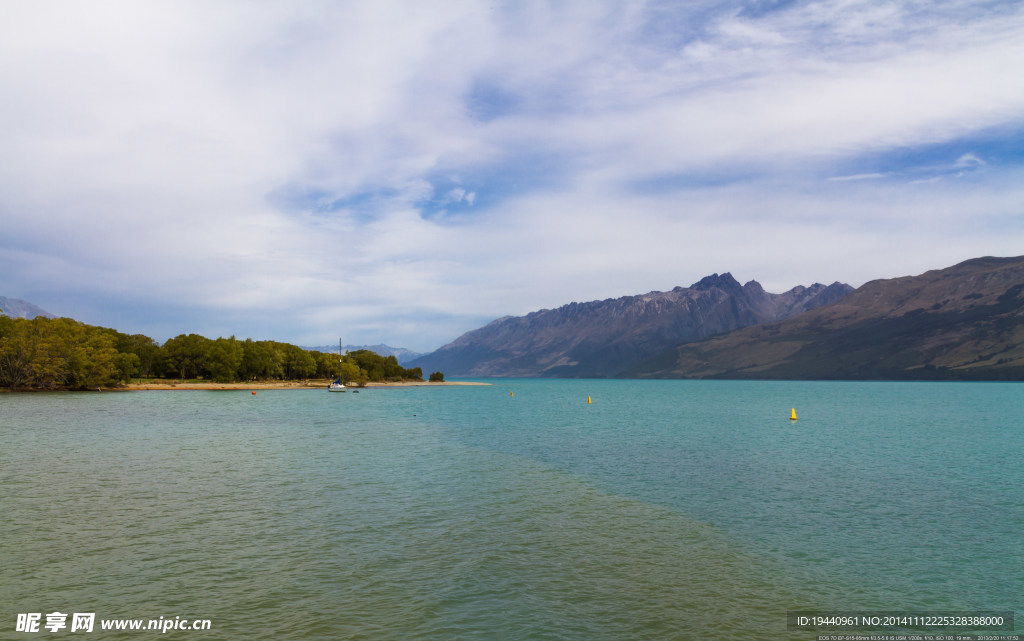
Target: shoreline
column 273, row 385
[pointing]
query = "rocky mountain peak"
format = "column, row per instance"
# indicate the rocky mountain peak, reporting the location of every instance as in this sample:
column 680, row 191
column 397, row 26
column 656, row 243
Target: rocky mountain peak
column 964, row 322
column 720, row 281
column 604, row 338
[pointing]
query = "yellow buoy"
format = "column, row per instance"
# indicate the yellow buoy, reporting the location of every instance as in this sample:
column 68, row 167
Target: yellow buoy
column 511, row 394
column 588, row 400
column 792, row 415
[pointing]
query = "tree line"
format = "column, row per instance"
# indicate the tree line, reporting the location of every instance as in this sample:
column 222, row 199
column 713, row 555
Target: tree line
column 61, row 353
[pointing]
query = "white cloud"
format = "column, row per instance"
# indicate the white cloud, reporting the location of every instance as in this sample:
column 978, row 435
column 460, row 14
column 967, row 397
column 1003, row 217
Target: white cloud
column 290, row 168
column 969, row 161
column 868, row 176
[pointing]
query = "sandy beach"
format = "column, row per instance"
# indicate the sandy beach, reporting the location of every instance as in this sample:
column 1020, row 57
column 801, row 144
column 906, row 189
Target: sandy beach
column 277, row 385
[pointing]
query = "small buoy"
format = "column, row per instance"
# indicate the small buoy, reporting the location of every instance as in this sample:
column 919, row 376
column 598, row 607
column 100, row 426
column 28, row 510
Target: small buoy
column 792, row 415
column 511, row 394
column 254, row 392
column 588, row 400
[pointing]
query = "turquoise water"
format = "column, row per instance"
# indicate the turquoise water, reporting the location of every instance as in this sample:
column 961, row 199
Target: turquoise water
column 661, row 510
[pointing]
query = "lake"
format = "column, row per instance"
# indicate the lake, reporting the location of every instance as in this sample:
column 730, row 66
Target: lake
column 519, row 510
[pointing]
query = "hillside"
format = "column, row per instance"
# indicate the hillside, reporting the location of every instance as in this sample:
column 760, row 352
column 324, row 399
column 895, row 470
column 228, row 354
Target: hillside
column 965, row 322
column 401, row 354
column 16, row 308
column 603, row 338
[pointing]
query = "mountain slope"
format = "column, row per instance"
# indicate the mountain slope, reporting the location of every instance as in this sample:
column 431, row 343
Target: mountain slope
column 603, row 338
column 402, row 355
column 964, row 322
column 21, row 309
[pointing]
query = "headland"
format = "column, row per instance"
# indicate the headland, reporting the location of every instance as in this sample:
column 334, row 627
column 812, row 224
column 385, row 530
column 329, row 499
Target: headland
column 276, row 385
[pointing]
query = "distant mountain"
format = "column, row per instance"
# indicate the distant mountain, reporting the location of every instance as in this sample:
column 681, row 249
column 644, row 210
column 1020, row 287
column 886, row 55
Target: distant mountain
column 401, row 354
column 603, row 338
column 965, row 322
column 21, row 309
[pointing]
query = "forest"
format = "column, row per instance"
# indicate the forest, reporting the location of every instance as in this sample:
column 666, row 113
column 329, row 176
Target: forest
column 62, row 353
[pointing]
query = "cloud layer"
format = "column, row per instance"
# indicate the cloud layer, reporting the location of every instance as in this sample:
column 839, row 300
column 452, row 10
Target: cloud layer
column 403, row 171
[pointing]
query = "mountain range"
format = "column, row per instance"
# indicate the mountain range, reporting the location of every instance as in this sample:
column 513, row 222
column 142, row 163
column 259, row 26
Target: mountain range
column 965, row 322
column 605, row 338
column 401, row 354
column 16, row 308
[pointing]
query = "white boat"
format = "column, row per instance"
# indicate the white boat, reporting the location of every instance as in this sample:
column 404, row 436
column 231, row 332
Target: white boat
column 338, row 386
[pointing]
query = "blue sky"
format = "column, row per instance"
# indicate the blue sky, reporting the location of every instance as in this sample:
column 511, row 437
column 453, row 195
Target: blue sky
column 402, row 172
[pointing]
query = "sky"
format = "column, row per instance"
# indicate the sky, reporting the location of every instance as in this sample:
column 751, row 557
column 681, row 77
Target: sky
column 403, row 172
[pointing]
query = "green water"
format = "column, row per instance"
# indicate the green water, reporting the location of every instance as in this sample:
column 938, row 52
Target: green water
column 662, row 510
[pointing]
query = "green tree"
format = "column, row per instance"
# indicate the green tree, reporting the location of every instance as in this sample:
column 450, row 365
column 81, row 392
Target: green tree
column 260, row 360
column 328, row 365
column 44, row 353
column 298, row 363
column 383, row 368
column 16, row 353
column 224, row 359
column 437, row 377
column 91, row 360
column 369, row 362
column 351, row 372
column 147, row 350
column 128, row 366
column 185, row 356
column 48, row 354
